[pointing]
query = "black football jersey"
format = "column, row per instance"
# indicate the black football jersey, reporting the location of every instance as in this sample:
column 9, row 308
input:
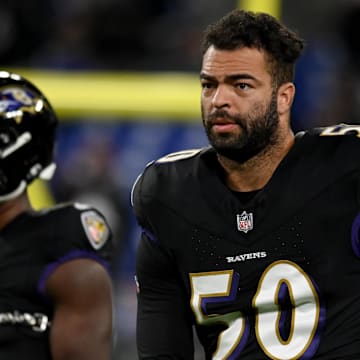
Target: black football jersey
column 275, row 276
column 31, row 248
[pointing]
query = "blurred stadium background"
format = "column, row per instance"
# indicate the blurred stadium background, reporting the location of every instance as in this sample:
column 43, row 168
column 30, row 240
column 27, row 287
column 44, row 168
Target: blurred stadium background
column 122, row 75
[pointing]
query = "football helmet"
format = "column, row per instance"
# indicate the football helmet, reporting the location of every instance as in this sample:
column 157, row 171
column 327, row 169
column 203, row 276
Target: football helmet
column 27, row 135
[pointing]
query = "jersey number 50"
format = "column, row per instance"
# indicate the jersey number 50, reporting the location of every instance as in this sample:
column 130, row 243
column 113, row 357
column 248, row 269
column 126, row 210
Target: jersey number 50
column 221, row 287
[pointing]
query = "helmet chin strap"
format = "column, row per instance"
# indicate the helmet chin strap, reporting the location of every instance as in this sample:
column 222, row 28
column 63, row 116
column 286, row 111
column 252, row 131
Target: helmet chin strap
column 15, row 193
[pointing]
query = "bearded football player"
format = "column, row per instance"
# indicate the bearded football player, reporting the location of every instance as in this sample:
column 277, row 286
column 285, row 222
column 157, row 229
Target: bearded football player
column 254, row 240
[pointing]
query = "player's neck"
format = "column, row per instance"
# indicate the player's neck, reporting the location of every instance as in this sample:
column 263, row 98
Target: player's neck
column 255, row 173
column 9, row 210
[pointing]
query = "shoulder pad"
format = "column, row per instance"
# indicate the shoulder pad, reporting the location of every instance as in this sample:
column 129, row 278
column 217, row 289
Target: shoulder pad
column 92, row 221
column 169, row 158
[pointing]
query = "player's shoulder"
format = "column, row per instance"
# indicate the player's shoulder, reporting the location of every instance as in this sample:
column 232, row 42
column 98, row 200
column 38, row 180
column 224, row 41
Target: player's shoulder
column 340, row 140
column 171, row 164
column 77, row 220
column 169, row 169
column 338, row 133
column 69, row 211
column 183, row 156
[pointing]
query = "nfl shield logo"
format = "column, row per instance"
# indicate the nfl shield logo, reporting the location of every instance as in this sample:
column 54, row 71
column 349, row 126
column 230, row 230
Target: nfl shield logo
column 244, row 221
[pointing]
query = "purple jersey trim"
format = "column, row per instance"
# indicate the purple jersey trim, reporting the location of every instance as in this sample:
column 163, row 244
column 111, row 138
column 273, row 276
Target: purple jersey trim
column 355, row 235
column 76, row 254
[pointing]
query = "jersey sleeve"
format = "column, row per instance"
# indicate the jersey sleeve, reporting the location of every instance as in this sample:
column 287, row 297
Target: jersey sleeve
column 164, row 320
column 84, row 229
column 76, row 231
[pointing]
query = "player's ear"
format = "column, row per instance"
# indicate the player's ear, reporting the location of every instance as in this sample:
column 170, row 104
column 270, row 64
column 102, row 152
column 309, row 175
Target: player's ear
column 285, row 97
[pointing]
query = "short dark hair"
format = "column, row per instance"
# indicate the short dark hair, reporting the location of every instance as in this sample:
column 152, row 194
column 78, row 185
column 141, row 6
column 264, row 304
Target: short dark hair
column 241, row 28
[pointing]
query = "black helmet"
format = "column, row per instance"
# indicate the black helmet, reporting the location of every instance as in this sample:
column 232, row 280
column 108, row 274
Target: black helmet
column 27, row 135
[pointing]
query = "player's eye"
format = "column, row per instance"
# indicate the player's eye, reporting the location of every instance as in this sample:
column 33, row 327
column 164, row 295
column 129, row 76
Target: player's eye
column 207, row 85
column 243, row 86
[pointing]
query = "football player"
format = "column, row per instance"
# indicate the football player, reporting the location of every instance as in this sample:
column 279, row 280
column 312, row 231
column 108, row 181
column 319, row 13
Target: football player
column 255, row 239
column 55, row 282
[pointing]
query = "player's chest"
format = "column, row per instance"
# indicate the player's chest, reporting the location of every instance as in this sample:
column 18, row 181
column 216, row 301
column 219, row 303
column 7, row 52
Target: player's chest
column 308, row 229
column 317, row 241
column 278, row 286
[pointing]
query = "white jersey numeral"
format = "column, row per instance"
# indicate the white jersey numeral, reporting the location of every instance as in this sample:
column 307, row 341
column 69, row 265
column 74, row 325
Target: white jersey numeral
column 180, row 155
column 341, row 129
column 221, row 287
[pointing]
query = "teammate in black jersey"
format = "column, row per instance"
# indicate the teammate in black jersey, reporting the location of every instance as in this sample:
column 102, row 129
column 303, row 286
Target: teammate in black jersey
column 55, row 285
column 254, row 240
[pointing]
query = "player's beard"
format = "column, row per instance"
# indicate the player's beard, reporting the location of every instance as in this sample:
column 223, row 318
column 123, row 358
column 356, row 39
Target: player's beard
column 258, row 131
